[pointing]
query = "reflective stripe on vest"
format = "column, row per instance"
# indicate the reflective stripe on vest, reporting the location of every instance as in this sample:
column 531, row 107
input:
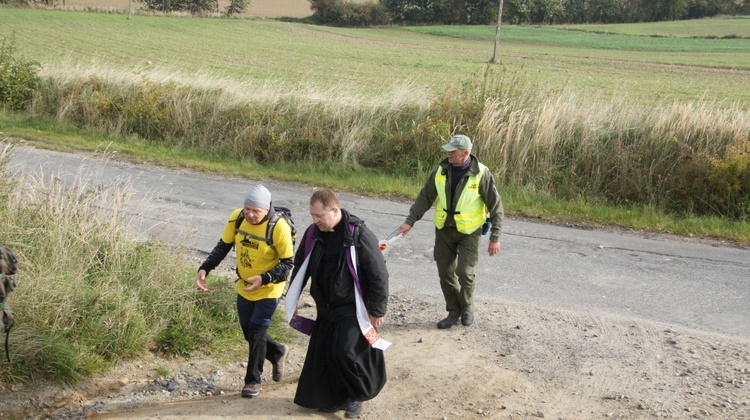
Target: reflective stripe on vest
column 470, row 211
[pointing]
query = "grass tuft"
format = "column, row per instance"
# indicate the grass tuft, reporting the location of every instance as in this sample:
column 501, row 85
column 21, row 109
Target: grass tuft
column 88, row 295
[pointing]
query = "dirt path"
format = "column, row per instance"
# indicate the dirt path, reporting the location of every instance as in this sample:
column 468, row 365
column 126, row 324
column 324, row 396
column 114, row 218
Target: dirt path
column 516, row 361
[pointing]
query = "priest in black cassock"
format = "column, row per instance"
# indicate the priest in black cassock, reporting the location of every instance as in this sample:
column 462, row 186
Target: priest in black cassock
column 342, row 368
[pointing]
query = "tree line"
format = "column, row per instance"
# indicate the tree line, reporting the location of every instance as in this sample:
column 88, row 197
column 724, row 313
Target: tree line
column 467, row 12
column 485, row 12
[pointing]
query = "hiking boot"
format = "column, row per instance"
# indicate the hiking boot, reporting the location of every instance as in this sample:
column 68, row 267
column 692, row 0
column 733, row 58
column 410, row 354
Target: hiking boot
column 251, row 390
column 353, row 410
column 467, row 319
column 278, row 367
column 447, row 322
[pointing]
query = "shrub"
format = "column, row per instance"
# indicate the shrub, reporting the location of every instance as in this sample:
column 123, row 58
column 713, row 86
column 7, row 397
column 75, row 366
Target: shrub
column 350, row 14
column 729, row 184
column 18, row 78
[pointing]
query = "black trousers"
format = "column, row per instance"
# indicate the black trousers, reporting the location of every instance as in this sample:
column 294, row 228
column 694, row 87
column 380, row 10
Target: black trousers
column 262, row 348
column 255, row 318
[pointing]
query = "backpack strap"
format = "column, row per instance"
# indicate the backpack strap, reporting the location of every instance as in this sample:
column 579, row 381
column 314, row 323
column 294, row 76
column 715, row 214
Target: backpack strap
column 273, row 218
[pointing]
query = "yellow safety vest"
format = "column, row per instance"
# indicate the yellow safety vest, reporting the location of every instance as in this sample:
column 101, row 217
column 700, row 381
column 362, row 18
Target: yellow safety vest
column 470, row 212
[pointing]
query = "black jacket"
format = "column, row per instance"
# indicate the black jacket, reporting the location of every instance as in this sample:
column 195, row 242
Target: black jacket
column 338, row 299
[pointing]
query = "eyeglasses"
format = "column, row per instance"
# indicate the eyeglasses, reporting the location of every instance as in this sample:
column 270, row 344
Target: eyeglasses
column 317, row 217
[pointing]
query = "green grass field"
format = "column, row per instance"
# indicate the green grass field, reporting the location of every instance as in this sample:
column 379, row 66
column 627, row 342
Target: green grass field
column 372, row 61
column 714, row 27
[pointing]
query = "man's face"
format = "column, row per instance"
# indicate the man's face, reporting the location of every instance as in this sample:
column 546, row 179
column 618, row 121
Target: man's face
column 324, row 219
column 254, row 214
column 458, row 156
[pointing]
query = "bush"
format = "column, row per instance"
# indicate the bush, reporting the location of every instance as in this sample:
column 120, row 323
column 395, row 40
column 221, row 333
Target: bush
column 18, row 78
column 351, row 14
column 729, row 185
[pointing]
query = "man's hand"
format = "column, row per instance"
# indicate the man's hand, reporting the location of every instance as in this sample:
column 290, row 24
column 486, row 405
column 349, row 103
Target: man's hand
column 404, row 229
column 376, row 321
column 200, row 280
column 493, row 248
column 255, row 283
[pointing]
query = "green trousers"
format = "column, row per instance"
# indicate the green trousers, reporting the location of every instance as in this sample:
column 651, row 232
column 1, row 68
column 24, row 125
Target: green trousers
column 456, row 255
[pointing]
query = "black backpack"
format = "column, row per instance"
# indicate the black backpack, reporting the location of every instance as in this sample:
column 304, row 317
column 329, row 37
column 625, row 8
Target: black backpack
column 8, row 268
column 277, row 213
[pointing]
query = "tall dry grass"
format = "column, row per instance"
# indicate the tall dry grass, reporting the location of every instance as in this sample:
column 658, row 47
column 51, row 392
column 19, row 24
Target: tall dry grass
column 88, row 295
column 682, row 156
column 622, row 150
column 267, row 122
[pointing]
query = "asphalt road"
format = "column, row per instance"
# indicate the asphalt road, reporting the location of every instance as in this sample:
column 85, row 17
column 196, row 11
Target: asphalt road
column 696, row 285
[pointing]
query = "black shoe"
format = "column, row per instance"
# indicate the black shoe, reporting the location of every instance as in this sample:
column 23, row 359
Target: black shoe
column 467, row 319
column 447, row 322
column 353, row 410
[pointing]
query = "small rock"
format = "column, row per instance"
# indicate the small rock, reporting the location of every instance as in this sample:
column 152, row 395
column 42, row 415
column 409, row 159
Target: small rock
column 172, row 385
column 123, row 381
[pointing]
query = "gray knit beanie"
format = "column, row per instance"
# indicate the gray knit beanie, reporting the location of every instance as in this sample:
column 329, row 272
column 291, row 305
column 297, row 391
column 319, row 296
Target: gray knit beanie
column 258, row 196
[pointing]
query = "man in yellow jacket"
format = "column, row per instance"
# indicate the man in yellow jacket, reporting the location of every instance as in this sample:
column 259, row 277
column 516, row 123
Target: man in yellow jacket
column 466, row 199
column 262, row 268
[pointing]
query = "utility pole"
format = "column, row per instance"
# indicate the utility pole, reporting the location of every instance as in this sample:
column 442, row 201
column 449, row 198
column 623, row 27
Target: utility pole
column 493, row 60
column 130, row 9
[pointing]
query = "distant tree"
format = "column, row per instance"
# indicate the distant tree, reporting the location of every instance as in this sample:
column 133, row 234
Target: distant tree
column 547, row 11
column 349, row 13
column 236, row 7
column 659, row 10
column 605, row 11
column 453, row 12
column 197, row 7
column 482, row 12
column 193, row 6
